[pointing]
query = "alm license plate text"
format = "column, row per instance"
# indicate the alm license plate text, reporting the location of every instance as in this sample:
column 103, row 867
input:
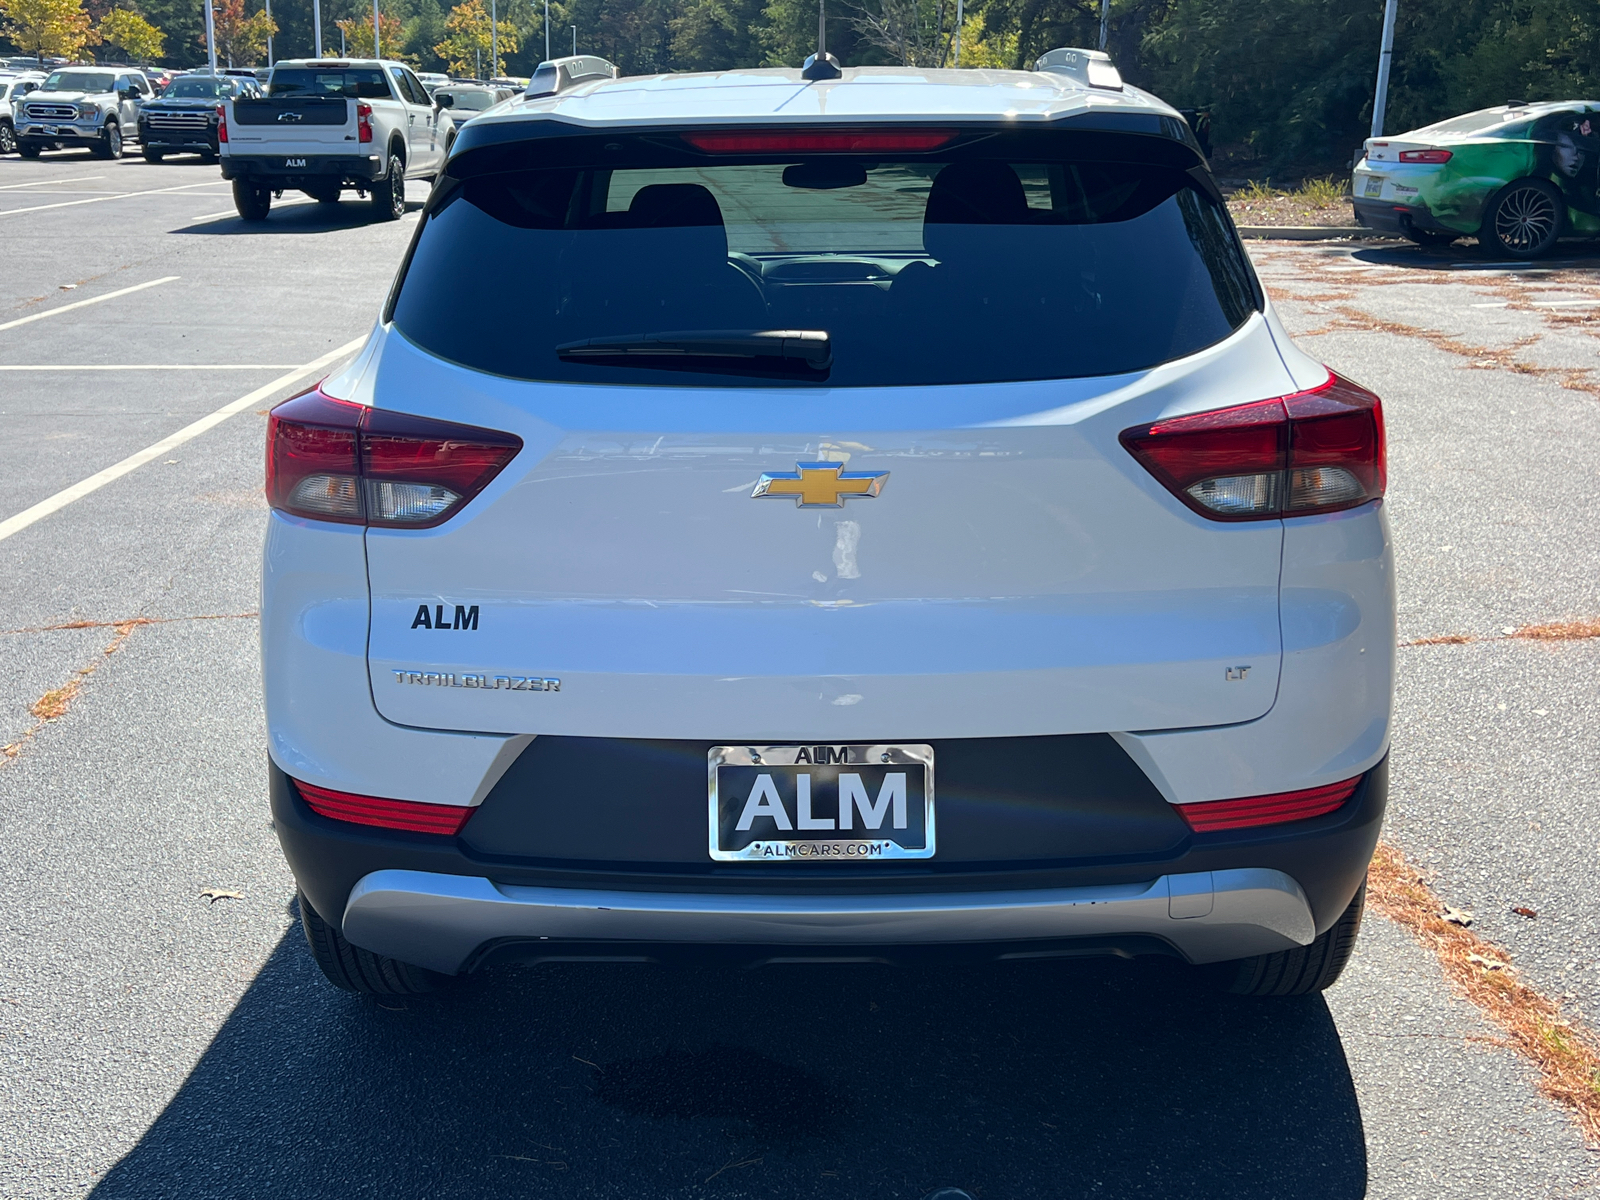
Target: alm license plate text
column 821, row 803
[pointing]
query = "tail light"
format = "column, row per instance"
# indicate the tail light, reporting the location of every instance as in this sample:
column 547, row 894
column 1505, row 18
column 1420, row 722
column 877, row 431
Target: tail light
column 1425, row 156
column 1213, row 816
column 1313, row 452
column 222, row 123
column 331, row 460
column 446, row 819
column 364, row 122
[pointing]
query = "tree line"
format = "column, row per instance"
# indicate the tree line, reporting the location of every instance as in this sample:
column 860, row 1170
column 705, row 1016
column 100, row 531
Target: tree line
column 1288, row 83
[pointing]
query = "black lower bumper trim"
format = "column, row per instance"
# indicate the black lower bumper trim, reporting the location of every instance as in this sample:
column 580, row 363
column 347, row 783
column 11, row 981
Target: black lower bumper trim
column 292, row 171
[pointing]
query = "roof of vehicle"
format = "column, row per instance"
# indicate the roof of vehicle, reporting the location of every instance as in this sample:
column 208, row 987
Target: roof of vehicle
column 779, row 95
column 337, row 63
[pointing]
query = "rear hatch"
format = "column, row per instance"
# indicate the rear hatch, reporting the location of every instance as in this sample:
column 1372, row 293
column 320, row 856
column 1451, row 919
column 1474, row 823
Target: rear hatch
column 966, row 327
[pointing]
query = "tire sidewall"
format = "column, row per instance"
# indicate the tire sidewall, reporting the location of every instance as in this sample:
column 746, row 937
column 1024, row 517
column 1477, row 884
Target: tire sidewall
column 113, row 140
column 397, row 187
column 8, row 138
column 1490, row 236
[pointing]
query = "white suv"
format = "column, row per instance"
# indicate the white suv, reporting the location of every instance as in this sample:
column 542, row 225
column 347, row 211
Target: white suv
column 889, row 521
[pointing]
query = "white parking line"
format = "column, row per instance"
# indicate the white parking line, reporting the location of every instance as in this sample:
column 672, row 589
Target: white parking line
column 12, row 212
column 51, row 312
column 95, row 482
column 1564, row 303
column 42, row 182
column 153, row 367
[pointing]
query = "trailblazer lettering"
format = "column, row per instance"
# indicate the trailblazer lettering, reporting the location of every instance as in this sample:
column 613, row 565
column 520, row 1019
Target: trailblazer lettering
column 471, row 679
column 463, row 618
column 764, row 801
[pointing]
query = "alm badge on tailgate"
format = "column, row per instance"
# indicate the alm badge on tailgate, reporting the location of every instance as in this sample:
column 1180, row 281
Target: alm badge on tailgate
column 821, row 803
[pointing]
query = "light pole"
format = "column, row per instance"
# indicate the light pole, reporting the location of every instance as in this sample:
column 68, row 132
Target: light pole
column 1380, row 101
column 574, row 41
column 377, row 50
column 960, row 12
column 1105, row 19
column 316, row 21
column 494, row 41
column 211, row 37
column 269, row 36
column 547, row 30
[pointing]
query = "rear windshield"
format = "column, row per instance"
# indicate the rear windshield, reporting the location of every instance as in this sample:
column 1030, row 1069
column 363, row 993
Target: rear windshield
column 357, row 83
column 1026, row 263
column 475, row 101
column 199, row 88
column 79, row 81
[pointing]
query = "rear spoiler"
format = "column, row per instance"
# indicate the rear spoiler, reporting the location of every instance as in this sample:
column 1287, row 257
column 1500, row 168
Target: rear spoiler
column 558, row 74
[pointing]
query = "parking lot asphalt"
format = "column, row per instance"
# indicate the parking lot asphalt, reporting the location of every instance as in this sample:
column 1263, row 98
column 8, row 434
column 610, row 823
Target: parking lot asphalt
column 157, row 1043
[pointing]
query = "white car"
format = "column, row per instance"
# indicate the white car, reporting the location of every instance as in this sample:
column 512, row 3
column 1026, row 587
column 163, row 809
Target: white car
column 890, row 521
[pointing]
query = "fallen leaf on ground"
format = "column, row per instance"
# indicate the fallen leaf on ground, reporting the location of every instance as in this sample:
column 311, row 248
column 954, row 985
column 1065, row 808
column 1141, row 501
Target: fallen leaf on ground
column 1456, row 917
column 1488, row 964
column 215, row 894
column 1525, row 912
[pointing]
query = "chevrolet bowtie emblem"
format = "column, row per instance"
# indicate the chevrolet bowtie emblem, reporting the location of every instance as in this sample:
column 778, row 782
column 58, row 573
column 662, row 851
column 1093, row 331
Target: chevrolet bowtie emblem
column 821, row 485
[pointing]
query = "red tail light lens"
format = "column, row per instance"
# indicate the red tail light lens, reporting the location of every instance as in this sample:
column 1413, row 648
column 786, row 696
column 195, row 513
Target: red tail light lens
column 863, row 141
column 446, row 819
column 364, row 122
column 1425, row 156
column 222, row 123
column 331, row 460
column 1313, row 452
column 1212, row 816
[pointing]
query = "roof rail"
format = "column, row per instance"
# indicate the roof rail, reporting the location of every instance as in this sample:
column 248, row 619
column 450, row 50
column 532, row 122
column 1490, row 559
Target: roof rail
column 1092, row 68
column 558, row 74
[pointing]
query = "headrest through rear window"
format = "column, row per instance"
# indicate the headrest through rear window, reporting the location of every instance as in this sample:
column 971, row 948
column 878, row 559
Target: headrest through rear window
column 662, row 205
column 977, row 193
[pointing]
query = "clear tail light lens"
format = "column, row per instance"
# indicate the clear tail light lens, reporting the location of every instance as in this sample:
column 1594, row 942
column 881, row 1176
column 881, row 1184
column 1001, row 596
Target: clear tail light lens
column 1318, row 451
column 222, row 124
column 331, row 460
column 364, row 122
column 1425, row 156
column 1213, row 816
column 410, row 815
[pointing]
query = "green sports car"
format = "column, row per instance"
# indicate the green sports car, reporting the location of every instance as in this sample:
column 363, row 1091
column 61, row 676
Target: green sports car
column 1516, row 177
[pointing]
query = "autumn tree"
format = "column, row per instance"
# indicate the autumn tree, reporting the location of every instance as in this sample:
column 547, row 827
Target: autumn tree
column 137, row 38
column 241, row 39
column 358, row 36
column 467, row 37
column 57, row 28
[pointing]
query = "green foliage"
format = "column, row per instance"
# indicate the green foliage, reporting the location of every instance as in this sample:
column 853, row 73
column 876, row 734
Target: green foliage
column 136, row 37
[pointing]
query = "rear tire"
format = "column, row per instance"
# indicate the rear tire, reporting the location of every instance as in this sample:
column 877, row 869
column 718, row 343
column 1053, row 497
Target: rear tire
column 389, row 193
column 8, row 138
column 29, row 149
column 252, row 200
column 1305, row 969
column 357, row 970
column 1524, row 220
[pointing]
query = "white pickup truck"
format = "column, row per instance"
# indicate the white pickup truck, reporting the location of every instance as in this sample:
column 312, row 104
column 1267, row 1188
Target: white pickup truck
column 327, row 125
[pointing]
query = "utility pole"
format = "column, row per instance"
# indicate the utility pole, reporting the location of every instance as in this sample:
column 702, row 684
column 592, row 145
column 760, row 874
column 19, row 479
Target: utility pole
column 211, row 37
column 494, row 42
column 574, row 41
column 269, row 36
column 377, row 50
column 547, row 30
column 316, row 20
column 1380, row 101
column 1105, row 21
column 960, row 17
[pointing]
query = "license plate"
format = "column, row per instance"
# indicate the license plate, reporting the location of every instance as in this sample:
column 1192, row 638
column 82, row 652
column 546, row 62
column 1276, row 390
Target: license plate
column 825, row 803
column 1373, row 186
column 51, row 131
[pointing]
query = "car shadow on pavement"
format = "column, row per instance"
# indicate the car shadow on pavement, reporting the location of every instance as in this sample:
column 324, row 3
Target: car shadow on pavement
column 294, row 218
column 1036, row 1079
column 1466, row 258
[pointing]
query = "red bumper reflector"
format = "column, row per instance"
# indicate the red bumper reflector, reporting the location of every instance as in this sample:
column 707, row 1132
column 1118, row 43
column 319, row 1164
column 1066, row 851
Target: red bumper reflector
column 1212, row 816
column 410, row 815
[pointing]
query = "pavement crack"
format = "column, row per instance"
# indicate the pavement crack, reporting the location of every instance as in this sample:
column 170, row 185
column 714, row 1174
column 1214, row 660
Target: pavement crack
column 53, row 705
column 1550, row 631
column 1565, row 1051
column 131, row 622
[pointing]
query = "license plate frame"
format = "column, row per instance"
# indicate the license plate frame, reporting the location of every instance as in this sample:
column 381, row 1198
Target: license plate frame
column 52, row 131
column 1372, row 187
column 733, row 779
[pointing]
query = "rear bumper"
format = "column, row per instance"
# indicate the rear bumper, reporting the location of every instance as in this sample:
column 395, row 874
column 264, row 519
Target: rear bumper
column 1389, row 217
column 443, row 922
column 441, row 903
column 293, row 171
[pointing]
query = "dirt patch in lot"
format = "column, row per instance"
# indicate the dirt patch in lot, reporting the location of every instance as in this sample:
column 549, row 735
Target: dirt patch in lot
column 1314, row 202
column 1565, row 1051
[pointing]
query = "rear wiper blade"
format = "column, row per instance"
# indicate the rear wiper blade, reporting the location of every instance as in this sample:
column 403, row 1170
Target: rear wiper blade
column 735, row 351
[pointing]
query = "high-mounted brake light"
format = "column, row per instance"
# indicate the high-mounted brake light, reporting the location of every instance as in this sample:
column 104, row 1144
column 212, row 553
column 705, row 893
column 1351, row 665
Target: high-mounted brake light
column 1318, row 451
column 364, row 122
column 410, row 815
column 1425, row 156
column 1213, row 816
column 861, row 141
column 222, row 123
column 331, row 460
